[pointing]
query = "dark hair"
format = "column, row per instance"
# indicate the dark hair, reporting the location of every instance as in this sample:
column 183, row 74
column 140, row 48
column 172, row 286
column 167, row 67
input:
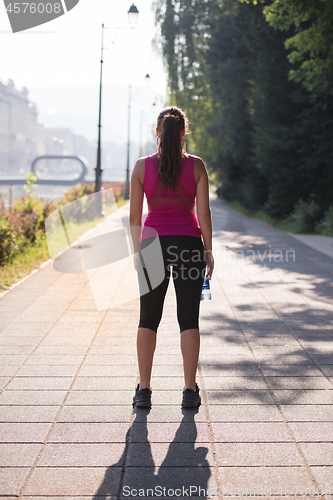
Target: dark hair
column 171, row 122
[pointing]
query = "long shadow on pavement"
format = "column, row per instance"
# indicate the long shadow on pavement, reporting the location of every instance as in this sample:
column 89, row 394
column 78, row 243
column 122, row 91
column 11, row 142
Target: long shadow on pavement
column 183, row 467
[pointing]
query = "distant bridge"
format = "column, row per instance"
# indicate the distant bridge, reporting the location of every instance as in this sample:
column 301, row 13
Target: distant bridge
column 55, row 181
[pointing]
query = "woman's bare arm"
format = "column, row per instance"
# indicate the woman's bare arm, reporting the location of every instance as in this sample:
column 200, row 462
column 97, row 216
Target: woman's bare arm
column 136, row 202
column 203, row 211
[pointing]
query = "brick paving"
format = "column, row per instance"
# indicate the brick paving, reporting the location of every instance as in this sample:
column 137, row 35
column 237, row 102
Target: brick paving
column 68, row 372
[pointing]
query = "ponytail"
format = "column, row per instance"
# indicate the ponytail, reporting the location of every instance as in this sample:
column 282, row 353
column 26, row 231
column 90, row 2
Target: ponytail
column 171, row 123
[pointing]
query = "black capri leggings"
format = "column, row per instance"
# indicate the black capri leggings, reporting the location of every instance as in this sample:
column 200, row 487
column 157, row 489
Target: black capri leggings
column 186, row 255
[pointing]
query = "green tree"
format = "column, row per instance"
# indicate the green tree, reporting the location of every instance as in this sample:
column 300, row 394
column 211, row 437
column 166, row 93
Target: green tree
column 311, row 44
column 266, row 135
column 228, row 67
column 183, row 37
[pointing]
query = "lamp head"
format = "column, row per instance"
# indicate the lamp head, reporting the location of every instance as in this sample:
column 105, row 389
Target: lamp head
column 133, row 15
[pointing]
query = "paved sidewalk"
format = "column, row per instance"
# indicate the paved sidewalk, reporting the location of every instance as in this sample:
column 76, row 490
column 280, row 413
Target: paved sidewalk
column 68, row 374
column 322, row 243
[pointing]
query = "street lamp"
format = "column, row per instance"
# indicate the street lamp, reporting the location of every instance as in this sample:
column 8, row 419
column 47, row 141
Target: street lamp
column 141, row 125
column 133, row 15
column 143, row 116
column 126, row 196
column 98, row 169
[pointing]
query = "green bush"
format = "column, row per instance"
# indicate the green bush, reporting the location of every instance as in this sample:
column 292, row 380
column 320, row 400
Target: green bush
column 77, row 192
column 9, row 243
column 23, row 224
column 20, row 226
column 89, row 208
column 325, row 226
column 85, row 189
column 305, row 216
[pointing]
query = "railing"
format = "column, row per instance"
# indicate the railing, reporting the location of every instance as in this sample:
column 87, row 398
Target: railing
column 51, row 180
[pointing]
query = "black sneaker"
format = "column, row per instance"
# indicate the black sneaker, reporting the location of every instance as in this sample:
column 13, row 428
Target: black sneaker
column 142, row 397
column 191, row 399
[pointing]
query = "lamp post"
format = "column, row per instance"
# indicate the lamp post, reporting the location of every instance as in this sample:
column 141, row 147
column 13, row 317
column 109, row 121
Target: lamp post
column 133, row 14
column 98, row 169
column 126, row 196
column 141, row 125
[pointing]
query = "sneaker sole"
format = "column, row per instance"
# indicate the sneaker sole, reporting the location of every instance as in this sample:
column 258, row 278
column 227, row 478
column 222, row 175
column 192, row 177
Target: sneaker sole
column 142, row 404
column 190, row 405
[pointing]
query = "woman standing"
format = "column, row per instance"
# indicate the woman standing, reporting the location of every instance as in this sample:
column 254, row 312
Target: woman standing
column 172, row 181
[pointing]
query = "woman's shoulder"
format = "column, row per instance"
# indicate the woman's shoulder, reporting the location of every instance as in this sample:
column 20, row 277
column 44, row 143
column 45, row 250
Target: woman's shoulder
column 199, row 167
column 139, row 165
column 197, row 160
column 139, row 169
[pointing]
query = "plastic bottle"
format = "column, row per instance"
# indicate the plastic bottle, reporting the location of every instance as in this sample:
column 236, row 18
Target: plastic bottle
column 205, row 293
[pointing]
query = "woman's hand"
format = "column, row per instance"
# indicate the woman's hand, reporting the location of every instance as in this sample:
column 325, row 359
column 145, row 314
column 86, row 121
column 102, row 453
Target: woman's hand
column 209, row 263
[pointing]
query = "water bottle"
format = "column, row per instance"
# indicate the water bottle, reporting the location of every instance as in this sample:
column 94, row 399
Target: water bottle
column 205, row 293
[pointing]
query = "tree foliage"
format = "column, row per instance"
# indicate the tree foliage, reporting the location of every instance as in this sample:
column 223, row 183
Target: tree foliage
column 183, row 39
column 311, row 44
column 262, row 115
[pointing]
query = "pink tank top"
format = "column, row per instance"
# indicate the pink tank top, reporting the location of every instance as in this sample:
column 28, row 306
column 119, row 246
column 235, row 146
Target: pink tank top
column 170, row 212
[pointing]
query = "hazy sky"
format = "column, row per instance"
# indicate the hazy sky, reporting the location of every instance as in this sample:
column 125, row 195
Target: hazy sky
column 66, row 51
column 59, row 63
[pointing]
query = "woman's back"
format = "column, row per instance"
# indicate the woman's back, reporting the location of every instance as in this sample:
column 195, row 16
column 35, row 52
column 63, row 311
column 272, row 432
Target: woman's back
column 171, row 211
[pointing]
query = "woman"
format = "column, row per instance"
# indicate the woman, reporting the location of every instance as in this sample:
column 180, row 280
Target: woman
column 171, row 181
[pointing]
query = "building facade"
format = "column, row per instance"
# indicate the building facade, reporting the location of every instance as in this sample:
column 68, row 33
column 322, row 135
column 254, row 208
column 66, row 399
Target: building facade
column 18, row 129
column 22, row 138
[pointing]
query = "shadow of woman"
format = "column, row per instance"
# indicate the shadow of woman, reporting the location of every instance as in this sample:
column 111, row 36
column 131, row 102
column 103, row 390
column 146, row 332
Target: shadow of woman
column 184, row 471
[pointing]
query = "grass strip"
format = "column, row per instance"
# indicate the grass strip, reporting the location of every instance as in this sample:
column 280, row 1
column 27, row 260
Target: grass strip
column 32, row 257
column 23, row 263
column 287, row 226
